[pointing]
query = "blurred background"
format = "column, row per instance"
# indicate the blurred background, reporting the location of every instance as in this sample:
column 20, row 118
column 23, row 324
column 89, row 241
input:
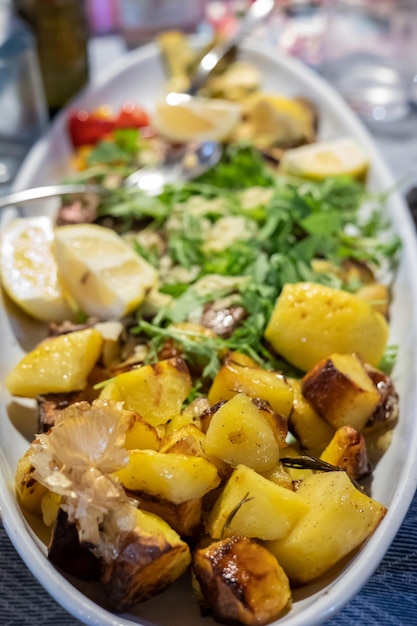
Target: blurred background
column 50, row 49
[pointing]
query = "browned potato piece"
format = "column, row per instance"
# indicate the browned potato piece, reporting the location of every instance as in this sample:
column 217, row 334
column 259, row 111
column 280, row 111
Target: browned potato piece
column 190, row 415
column 184, row 518
column 186, row 440
column 378, row 297
column 240, row 374
column 347, row 450
column 312, row 431
column 241, row 581
column 66, row 552
column 341, row 391
column 29, row 492
column 139, row 434
column 386, row 412
column 279, row 476
column 150, row 558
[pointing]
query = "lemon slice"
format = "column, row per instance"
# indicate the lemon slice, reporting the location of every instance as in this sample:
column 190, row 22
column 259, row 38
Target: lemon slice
column 29, row 271
column 105, row 276
column 183, row 118
column 326, row 158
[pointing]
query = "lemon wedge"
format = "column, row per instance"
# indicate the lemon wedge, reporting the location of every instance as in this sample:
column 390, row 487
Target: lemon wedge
column 326, row 158
column 183, row 118
column 104, row 275
column 29, row 272
column 284, row 120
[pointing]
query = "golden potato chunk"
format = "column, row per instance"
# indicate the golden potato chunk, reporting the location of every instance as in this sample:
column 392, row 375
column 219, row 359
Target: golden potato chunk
column 347, row 450
column 139, row 434
column 149, row 559
column 239, row 433
column 240, row 374
column 339, row 520
column 341, row 391
column 186, row 440
column 311, row 321
column 184, row 518
column 241, row 582
column 29, row 491
column 58, row 364
column 156, row 392
column 174, row 477
column 312, row 431
column 253, row 506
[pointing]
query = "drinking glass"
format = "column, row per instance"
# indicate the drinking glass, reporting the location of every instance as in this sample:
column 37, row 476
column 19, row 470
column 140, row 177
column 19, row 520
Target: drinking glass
column 370, row 55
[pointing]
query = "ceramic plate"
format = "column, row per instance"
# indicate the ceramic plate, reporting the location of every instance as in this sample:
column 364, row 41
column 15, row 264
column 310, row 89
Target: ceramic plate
column 139, row 76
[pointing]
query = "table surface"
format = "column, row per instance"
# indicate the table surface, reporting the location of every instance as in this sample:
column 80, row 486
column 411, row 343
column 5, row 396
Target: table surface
column 390, row 596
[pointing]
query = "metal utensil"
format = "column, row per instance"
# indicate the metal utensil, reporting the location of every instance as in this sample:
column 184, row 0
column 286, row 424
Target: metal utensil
column 256, row 13
column 193, row 161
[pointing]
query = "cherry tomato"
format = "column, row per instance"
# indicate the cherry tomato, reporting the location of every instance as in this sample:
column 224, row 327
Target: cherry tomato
column 86, row 129
column 132, row 116
column 89, row 128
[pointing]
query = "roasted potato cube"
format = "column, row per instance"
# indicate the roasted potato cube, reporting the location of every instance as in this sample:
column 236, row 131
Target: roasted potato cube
column 140, row 435
column 29, row 491
column 241, row 581
column 296, row 474
column 312, row 431
column 253, row 506
column 149, row 559
column 279, row 476
column 386, row 412
column 156, row 392
column 341, row 391
column 174, row 477
column 190, row 415
column 184, row 518
column 66, row 552
column 50, row 506
column 58, row 364
column 378, row 297
column 239, row 433
column 339, row 520
column 311, row 321
column 240, row 374
column 347, row 450
column 186, row 440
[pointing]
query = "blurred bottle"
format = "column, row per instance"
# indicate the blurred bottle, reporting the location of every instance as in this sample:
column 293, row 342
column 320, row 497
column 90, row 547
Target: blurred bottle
column 141, row 20
column 61, row 31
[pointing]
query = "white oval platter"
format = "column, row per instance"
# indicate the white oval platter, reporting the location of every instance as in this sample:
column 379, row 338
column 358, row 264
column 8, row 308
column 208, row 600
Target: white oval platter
column 139, row 76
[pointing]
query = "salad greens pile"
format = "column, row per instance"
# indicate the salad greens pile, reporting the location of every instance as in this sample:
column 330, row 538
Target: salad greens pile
column 237, row 235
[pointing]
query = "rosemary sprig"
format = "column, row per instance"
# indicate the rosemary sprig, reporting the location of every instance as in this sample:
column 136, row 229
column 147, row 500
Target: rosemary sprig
column 233, row 512
column 308, row 461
